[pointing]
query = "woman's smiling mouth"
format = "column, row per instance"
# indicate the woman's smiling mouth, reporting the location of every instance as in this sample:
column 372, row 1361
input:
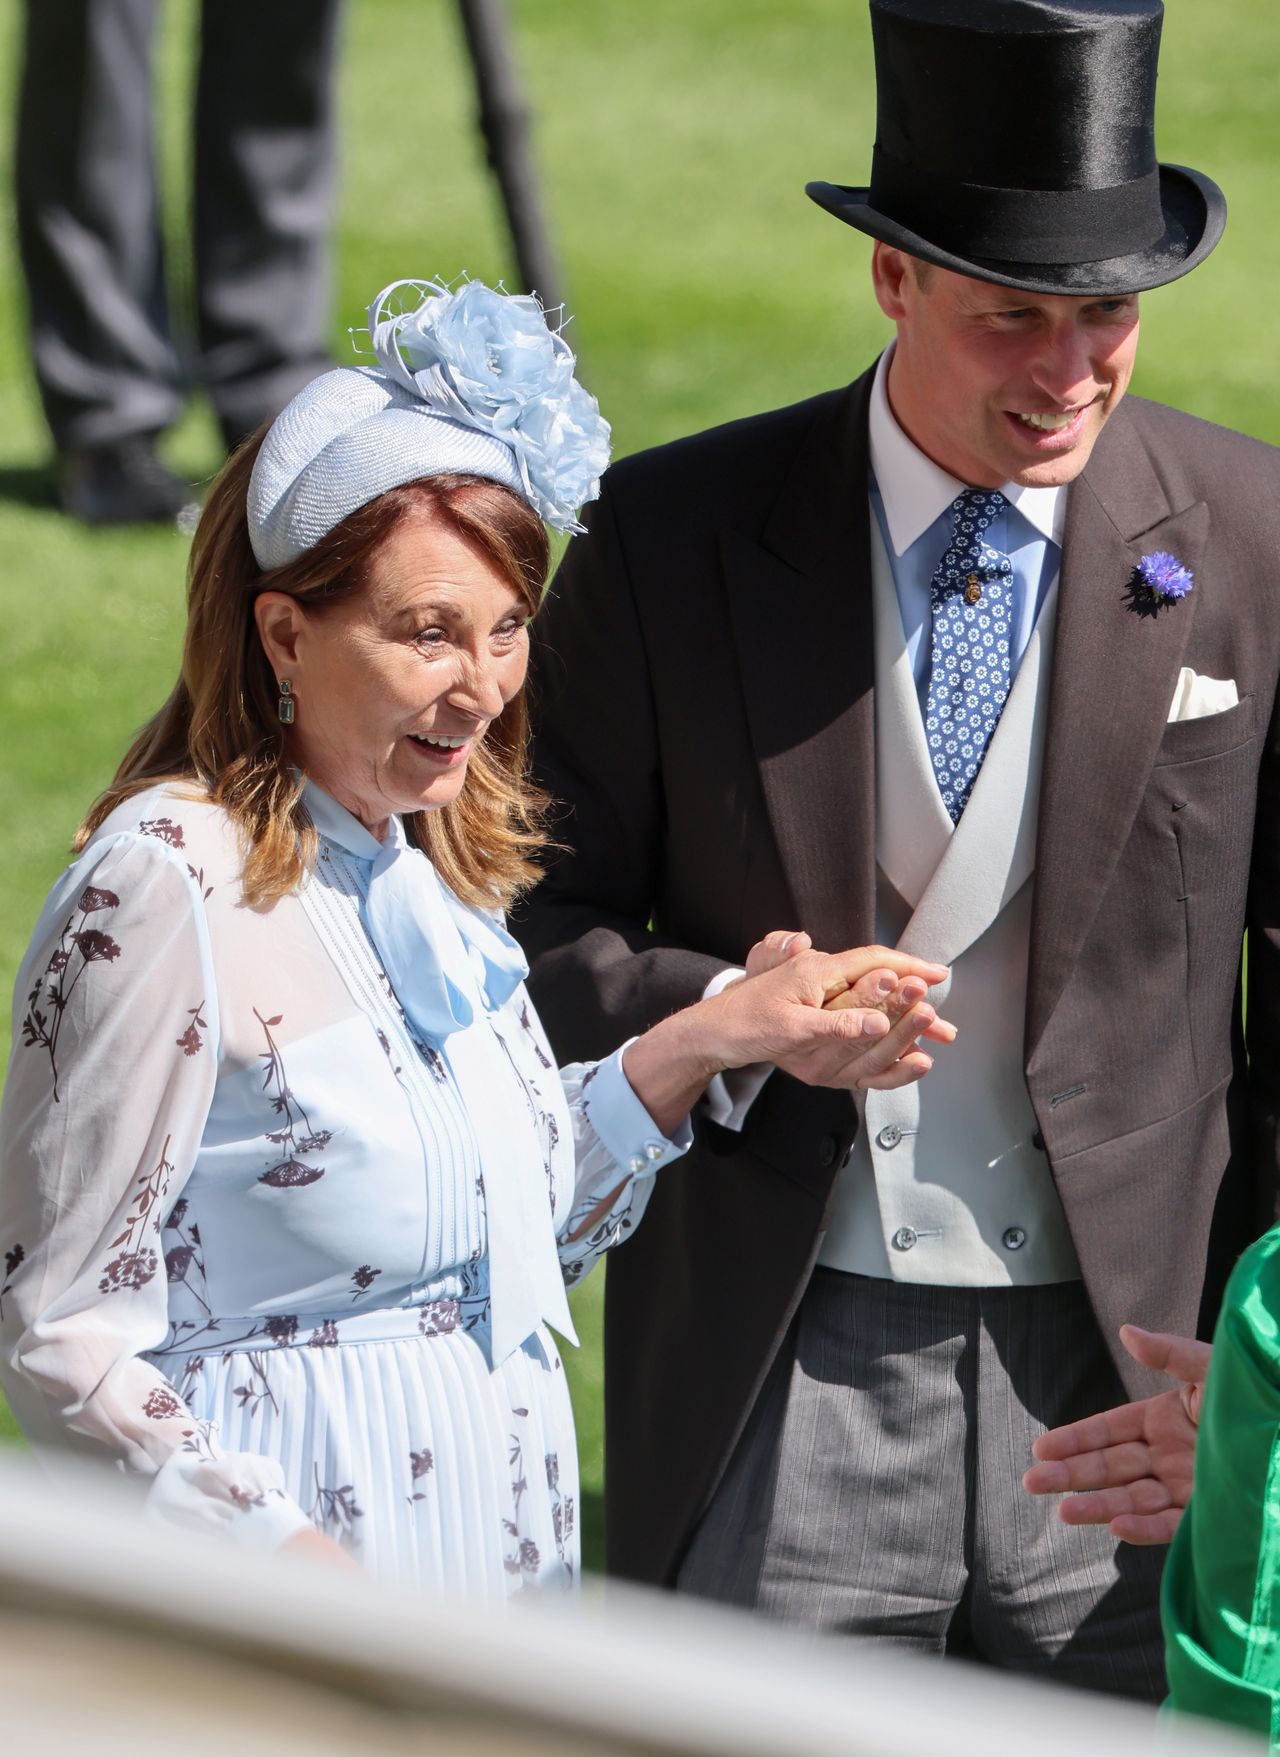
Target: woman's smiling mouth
column 442, row 748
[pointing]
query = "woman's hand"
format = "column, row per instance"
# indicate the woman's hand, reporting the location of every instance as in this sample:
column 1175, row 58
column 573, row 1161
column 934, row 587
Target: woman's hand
column 849, row 1019
column 313, row 1546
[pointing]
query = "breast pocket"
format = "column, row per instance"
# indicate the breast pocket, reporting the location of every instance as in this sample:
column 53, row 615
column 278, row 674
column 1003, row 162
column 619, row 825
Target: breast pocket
column 1200, row 808
column 1189, row 741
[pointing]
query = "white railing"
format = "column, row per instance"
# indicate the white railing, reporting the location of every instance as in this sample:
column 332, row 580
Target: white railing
column 120, row 1638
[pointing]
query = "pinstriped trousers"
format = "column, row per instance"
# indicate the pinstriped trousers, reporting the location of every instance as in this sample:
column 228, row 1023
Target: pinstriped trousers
column 876, row 1488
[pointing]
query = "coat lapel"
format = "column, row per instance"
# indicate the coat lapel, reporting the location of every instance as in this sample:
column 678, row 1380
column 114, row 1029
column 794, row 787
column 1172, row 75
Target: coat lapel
column 800, row 608
column 1114, row 674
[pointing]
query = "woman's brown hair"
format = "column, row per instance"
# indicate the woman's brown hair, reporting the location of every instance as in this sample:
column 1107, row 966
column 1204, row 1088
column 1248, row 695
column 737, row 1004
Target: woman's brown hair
column 219, row 729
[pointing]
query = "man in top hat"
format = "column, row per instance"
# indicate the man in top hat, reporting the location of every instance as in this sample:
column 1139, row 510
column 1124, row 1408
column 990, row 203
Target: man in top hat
column 976, row 656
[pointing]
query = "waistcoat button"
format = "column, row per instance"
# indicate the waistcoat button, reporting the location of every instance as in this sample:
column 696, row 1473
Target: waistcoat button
column 889, row 1137
column 904, row 1238
column 1014, row 1238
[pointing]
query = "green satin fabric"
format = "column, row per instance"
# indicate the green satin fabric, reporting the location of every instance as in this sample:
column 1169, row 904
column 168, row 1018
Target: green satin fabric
column 1221, row 1595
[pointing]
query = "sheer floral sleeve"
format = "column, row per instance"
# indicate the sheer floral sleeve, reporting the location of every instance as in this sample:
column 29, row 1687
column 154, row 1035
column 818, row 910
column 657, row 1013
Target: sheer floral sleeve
column 619, row 1151
column 111, row 1077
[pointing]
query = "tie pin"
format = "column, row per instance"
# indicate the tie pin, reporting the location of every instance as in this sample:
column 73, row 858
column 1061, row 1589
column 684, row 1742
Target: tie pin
column 973, row 591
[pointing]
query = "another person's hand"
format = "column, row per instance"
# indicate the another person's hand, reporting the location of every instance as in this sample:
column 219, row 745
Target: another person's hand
column 313, row 1546
column 1131, row 1468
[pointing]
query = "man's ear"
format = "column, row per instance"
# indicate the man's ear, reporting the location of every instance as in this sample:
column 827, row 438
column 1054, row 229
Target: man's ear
column 280, row 621
column 890, row 269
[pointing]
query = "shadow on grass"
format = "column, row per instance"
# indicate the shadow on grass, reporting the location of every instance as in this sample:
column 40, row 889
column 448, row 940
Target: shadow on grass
column 29, row 485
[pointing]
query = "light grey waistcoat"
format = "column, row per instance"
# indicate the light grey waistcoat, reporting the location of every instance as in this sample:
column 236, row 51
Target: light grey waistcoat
column 946, row 1184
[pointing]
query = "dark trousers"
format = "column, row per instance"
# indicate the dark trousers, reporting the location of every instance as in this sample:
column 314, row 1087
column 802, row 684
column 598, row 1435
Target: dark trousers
column 876, row 1490
column 89, row 213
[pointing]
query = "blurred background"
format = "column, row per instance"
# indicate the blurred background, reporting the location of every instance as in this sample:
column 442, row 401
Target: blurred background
column 672, row 141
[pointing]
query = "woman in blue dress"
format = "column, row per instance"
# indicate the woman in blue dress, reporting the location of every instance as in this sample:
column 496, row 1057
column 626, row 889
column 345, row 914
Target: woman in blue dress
column 290, row 1187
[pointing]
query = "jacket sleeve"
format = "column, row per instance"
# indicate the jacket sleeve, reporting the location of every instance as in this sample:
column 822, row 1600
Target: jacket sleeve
column 1220, row 1594
column 112, row 1075
column 600, row 972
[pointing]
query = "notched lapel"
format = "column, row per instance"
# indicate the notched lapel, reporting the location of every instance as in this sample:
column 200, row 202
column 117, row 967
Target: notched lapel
column 800, row 607
column 1114, row 673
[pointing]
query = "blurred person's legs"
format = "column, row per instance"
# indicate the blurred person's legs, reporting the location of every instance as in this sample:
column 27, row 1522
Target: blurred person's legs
column 264, row 186
column 90, row 236
column 876, row 1489
column 90, row 242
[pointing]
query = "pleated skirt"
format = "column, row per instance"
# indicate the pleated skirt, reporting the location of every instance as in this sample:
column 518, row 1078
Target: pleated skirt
column 422, row 1462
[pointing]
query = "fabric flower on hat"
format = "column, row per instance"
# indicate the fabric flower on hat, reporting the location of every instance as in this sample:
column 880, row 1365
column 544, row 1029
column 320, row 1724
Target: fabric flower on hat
column 473, row 352
column 562, row 446
column 492, row 361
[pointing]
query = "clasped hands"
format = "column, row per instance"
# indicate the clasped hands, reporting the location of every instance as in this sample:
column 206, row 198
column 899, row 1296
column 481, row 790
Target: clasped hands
column 850, row 1019
column 846, row 1019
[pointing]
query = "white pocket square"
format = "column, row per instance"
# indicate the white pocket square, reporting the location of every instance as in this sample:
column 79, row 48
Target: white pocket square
column 1197, row 697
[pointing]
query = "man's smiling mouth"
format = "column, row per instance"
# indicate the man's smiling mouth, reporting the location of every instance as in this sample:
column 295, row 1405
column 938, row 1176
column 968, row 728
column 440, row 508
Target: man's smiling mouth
column 1050, row 423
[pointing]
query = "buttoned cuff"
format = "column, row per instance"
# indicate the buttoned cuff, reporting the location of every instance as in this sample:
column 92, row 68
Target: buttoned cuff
column 268, row 1526
column 625, row 1129
column 255, row 1515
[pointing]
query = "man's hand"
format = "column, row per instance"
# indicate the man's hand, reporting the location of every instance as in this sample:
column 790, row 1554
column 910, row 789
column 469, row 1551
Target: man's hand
column 1130, row 1468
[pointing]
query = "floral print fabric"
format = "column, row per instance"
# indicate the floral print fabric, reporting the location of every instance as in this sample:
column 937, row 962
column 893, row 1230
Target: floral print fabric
column 242, row 1220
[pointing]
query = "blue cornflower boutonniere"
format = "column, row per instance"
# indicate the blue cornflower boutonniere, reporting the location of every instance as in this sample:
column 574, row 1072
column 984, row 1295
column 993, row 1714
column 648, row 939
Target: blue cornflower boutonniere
column 1158, row 580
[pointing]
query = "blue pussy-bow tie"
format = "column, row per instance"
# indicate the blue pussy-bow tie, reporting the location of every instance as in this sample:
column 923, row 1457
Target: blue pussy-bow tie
column 451, row 967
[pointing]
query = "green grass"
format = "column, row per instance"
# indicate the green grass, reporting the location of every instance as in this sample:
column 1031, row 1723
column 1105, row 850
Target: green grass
column 674, row 142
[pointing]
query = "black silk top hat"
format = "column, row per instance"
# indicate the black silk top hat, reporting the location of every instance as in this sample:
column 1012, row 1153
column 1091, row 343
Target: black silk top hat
column 1015, row 142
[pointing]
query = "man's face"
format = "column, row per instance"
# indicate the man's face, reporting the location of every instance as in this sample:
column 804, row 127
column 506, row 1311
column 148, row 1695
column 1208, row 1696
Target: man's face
column 1001, row 386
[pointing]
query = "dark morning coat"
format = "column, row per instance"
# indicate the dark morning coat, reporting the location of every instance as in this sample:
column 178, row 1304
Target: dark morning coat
column 703, row 684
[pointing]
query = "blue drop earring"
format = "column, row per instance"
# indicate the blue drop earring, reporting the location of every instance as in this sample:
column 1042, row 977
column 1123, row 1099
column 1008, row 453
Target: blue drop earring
column 286, row 707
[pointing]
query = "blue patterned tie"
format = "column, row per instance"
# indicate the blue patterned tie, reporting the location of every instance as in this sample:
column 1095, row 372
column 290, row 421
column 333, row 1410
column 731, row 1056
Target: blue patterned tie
column 971, row 597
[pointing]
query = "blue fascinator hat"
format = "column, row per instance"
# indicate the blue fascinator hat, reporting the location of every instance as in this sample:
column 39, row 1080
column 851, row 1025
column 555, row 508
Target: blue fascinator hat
column 468, row 380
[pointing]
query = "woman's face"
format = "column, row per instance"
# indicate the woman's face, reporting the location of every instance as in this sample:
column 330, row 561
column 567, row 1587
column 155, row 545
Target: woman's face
column 396, row 684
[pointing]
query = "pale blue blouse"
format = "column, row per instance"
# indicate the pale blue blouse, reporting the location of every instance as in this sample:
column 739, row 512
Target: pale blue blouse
column 243, row 1198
